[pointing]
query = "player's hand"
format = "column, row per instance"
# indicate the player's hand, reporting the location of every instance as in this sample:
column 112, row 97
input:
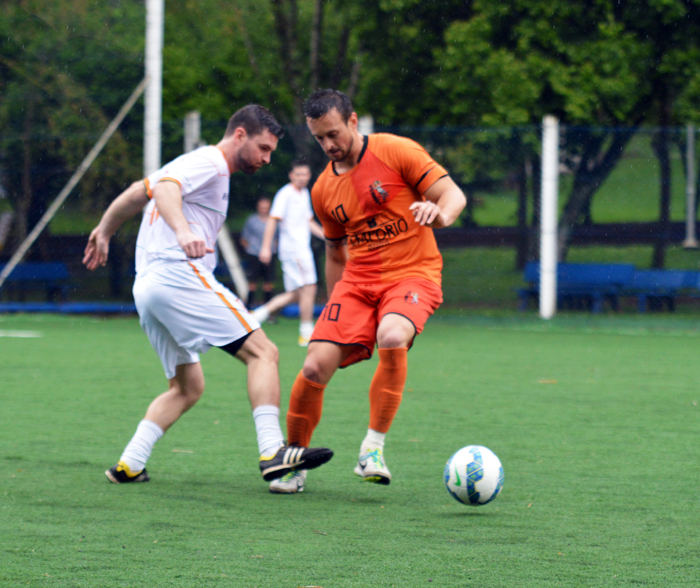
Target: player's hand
column 265, row 256
column 193, row 246
column 426, row 213
column 96, row 250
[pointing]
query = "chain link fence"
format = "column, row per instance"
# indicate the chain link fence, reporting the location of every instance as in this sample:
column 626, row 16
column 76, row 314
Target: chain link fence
column 622, row 197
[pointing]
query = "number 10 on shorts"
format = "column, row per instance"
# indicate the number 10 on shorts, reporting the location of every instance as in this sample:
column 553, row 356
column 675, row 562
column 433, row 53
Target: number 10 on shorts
column 331, row 312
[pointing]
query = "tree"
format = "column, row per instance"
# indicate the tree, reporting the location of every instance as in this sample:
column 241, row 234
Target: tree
column 59, row 89
column 512, row 64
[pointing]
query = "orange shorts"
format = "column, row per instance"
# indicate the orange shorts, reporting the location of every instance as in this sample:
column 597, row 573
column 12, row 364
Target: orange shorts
column 352, row 315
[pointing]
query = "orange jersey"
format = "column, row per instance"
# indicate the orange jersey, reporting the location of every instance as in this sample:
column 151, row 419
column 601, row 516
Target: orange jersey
column 369, row 205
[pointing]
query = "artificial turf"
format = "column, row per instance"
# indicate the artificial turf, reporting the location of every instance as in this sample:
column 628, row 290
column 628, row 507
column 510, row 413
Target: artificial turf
column 594, row 418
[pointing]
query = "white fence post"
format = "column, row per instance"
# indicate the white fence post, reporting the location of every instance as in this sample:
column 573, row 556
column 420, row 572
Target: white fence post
column 549, row 213
column 691, row 241
column 365, row 125
column 153, row 96
column 193, row 130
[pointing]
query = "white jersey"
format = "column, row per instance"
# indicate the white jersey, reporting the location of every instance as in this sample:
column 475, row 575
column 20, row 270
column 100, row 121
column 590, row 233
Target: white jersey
column 203, row 176
column 292, row 208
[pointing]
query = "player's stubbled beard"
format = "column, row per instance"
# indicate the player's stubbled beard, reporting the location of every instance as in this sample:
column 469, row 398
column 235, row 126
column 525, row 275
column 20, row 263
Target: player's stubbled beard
column 243, row 162
column 341, row 154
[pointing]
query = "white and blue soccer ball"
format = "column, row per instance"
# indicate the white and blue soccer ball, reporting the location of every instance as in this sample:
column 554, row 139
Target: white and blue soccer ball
column 474, row 475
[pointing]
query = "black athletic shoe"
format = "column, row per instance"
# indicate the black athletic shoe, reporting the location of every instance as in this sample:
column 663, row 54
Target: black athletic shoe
column 118, row 475
column 292, row 457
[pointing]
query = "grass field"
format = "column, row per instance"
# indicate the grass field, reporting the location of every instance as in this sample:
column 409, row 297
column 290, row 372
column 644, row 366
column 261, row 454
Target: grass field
column 594, row 418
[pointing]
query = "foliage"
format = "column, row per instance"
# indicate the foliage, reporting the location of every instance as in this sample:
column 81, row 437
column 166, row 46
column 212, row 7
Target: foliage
column 65, row 69
column 595, row 63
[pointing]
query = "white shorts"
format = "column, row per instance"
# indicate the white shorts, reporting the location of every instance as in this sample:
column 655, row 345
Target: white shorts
column 184, row 311
column 298, row 271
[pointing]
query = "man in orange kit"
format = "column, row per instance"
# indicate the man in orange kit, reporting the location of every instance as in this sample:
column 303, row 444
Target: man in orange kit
column 378, row 201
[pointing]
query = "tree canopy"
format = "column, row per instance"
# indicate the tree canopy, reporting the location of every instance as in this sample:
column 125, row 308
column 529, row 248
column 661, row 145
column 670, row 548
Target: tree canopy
column 66, row 67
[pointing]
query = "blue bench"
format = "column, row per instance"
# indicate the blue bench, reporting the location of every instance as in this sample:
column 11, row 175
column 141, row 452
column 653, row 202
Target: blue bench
column 580, row 285
column 653, row 288
column 49, row 276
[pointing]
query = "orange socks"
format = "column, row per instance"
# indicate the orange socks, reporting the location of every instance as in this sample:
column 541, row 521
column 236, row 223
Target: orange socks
column 305, row 406
column 386, row 389
column 385, row 393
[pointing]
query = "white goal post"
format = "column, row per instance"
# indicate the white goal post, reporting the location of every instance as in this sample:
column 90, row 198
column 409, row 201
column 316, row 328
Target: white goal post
column 548, row 217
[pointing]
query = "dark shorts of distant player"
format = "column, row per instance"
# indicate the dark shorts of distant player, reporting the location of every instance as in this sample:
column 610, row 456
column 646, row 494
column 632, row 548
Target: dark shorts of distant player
column 257, row 271
column 352, row 315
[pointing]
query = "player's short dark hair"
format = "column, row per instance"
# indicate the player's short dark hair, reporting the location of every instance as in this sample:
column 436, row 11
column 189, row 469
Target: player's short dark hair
column 299, row 163
column 322, row 101
column 254, row 119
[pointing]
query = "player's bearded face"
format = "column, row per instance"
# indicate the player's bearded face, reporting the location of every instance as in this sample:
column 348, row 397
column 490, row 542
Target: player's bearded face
column 336, row 137
column 255, row 152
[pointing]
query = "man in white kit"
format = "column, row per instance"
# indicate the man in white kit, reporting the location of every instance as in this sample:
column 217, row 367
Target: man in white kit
column 182, row 308
column 291, row 208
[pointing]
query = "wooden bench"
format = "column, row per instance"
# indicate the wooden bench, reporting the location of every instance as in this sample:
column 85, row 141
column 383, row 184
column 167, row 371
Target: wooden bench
column 49, row 276
column 580, row 285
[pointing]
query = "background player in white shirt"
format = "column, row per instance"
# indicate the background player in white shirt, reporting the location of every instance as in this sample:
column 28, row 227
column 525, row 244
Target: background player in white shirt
column 291, row 208
column 182, row 308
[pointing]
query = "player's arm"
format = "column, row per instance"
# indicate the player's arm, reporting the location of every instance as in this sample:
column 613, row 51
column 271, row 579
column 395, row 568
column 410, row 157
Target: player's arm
column 265, row 254
column 168, row 198
column 444, row 201
column 316, row 230
column 336, row 257
column 130, row 202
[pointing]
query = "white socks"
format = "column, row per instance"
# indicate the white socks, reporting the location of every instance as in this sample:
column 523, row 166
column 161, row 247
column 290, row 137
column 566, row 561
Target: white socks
column 267, row 426
column 373, row 440
column 306, row 329
column 139, row 449
column 261, row 314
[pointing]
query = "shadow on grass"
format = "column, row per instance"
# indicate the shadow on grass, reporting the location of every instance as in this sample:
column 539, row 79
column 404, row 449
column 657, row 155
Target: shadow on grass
column 466, row 513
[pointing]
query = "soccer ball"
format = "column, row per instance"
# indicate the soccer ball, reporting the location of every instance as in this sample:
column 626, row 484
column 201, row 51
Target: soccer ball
column 474, row 475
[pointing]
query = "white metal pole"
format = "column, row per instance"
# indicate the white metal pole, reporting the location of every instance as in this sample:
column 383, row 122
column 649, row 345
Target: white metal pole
column 691, row 241
column 233, row 262
column 153, row 97
column 549, row 207
column 193, row 129
column 365, row 125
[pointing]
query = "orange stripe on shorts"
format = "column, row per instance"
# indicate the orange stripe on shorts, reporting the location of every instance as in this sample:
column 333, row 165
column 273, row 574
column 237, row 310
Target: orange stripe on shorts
column 223, row 299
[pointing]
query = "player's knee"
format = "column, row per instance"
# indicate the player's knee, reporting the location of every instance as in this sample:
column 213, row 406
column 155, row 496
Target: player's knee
column 194, row 392
column 392, row 339
column 313, row 371
column 271, row 353
column 191, row 390
column 258, row 348
column 263, row 349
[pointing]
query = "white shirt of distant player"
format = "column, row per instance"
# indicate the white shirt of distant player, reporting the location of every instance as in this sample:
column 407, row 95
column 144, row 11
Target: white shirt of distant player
column 292, row 208
column 203, row 176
